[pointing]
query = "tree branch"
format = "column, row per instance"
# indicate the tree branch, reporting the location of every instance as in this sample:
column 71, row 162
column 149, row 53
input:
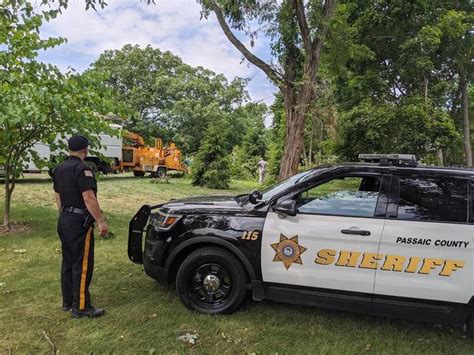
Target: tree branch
column 298, row 5
column 273, row 74
column 328, row 11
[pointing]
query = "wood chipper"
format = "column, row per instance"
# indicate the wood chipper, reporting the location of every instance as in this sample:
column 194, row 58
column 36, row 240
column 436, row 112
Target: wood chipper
column 142, row 159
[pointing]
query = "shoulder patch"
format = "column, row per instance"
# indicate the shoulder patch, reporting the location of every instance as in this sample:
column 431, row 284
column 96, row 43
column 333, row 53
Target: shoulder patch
column 88, row 173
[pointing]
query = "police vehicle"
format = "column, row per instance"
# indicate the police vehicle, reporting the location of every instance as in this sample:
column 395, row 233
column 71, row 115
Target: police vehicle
column 384, row 236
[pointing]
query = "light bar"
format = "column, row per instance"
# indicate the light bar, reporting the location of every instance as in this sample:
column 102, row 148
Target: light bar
column 401, row 159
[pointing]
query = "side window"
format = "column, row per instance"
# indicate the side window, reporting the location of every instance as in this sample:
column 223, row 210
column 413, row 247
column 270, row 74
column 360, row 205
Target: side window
column 433, row 199
column 354, row 196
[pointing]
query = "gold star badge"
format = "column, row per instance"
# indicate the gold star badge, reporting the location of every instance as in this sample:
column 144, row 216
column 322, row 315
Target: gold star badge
column 288, row 251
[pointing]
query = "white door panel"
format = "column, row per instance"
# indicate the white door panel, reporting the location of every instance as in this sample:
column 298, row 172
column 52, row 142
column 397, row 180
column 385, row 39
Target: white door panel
column 316, row 233
column 436, row 271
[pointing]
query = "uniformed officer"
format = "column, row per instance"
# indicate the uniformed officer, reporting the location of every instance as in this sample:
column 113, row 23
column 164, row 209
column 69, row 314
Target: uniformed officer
column 76, row 189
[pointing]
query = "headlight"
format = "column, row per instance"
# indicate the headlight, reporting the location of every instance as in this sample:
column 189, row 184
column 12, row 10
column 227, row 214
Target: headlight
column 164, row 221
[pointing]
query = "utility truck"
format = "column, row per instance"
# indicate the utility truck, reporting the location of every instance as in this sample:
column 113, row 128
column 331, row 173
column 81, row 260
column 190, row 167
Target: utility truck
column 111, row 150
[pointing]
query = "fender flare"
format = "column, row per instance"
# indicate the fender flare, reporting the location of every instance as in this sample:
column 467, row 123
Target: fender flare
column 218, row 242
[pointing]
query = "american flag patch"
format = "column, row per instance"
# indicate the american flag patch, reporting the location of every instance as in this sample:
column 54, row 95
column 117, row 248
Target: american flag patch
column 88, row 173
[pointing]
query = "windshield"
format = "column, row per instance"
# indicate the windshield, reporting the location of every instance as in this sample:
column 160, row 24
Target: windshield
column 276, row 189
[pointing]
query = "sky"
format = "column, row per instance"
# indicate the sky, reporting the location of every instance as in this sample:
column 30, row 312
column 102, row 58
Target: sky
column 170, row 25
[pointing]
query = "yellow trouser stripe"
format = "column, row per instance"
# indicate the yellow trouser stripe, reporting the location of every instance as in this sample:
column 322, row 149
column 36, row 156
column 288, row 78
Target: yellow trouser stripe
column 85, row 262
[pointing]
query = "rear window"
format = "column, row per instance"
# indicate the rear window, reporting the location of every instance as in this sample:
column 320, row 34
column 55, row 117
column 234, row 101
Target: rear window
column 433, row 199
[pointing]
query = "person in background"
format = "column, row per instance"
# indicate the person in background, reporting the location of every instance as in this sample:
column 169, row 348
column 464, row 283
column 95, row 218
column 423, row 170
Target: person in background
column 76, row 196
column 262, row 170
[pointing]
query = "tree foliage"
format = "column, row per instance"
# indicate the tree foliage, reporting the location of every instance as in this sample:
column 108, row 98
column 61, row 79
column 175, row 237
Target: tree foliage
column 396, row 67
column 297, row 30
column 37, row 100
column 253, row 145
column 211, row 165
column 168, row 98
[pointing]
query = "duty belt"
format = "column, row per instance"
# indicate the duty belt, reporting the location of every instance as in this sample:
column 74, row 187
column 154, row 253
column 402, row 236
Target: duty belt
column 72, row 210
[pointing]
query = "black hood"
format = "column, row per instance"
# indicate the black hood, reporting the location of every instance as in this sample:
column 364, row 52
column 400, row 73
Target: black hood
column 203, row 203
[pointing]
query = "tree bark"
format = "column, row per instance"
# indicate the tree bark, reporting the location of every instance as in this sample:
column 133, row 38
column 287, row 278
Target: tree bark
column 310, row 158
column 9, row 186
column 440, row 156
column 294, row 141
column 465, row 117
column 296, row 108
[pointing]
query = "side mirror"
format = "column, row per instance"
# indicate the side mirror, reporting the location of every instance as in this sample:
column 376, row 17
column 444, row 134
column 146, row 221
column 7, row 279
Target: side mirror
column 255, row 197
column 286, row 208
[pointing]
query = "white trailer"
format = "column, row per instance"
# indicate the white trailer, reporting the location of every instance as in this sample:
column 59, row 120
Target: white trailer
column 111, row 149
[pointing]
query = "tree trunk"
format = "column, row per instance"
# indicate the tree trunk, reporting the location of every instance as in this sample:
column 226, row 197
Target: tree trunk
column 310, row 160
column 440, row 156
column 293, row 148
column 305, row 157
column 9, row 186
column 465, row 117
column 294, row 139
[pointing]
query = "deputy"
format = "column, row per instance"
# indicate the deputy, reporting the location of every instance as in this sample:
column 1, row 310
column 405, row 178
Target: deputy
column 76, row 189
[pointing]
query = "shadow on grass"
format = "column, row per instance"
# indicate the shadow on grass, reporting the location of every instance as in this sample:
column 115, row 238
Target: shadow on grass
column 359, row 324
column 354, row 322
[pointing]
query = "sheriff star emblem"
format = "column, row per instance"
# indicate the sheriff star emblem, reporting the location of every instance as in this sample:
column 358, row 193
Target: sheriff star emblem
column 288, row 251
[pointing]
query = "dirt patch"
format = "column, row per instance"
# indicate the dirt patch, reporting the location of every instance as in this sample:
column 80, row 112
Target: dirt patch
column 16, row 228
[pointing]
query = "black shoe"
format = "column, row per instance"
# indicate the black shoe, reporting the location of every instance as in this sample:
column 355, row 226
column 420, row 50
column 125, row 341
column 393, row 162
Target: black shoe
column 88, row 312
column 66, row 308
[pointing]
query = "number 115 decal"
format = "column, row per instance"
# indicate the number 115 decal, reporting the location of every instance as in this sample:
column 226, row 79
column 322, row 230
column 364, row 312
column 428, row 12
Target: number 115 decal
column 250, row 235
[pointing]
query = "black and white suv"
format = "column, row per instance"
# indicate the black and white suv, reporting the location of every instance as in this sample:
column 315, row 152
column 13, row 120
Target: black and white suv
column 385, row 236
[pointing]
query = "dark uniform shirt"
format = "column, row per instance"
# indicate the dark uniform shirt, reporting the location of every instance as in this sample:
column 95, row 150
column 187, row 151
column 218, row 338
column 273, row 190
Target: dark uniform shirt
column 71, row 178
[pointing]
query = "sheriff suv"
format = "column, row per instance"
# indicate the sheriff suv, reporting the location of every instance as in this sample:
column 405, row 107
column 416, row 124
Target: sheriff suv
column 384, row 236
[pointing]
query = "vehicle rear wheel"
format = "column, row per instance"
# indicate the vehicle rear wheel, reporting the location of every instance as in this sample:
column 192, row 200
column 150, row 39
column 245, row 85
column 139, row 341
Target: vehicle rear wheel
column 211, row 280
column 139, row 173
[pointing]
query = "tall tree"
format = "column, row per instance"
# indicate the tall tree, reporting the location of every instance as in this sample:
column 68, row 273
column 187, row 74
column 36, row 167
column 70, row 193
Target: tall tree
column 456, row 51
column 37, row 101
column 210, row 167
column 394, row 77
column 167, row 97
column 253, row 145
column 297, row 29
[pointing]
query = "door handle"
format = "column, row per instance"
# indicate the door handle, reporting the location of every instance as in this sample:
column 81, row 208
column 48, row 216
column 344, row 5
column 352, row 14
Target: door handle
column 355, row 232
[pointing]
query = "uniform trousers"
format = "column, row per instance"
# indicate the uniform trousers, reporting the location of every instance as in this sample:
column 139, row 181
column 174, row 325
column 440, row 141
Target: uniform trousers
column 77, row 245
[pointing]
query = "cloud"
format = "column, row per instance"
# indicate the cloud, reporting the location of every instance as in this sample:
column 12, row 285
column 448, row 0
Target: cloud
column 173, row 25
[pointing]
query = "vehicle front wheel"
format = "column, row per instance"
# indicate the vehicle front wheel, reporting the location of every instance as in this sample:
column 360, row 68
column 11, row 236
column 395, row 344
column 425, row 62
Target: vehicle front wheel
column 211, row 280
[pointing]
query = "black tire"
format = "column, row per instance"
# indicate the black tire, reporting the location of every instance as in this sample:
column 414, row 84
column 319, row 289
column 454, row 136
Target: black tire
column 139, row 173
column 92, row 166
column 161, row 173
column 206, row 264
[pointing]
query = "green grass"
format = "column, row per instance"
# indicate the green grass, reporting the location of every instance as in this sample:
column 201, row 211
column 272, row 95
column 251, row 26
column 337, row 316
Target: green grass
column 142, row 316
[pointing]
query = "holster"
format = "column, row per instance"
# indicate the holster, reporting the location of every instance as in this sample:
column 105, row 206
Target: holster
column 88, row 221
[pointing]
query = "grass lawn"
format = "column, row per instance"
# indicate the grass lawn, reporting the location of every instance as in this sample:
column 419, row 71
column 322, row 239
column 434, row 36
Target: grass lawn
column 145, row 318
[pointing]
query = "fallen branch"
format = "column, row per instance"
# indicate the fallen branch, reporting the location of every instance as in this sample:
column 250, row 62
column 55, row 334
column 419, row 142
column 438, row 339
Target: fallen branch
column 54, row 351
